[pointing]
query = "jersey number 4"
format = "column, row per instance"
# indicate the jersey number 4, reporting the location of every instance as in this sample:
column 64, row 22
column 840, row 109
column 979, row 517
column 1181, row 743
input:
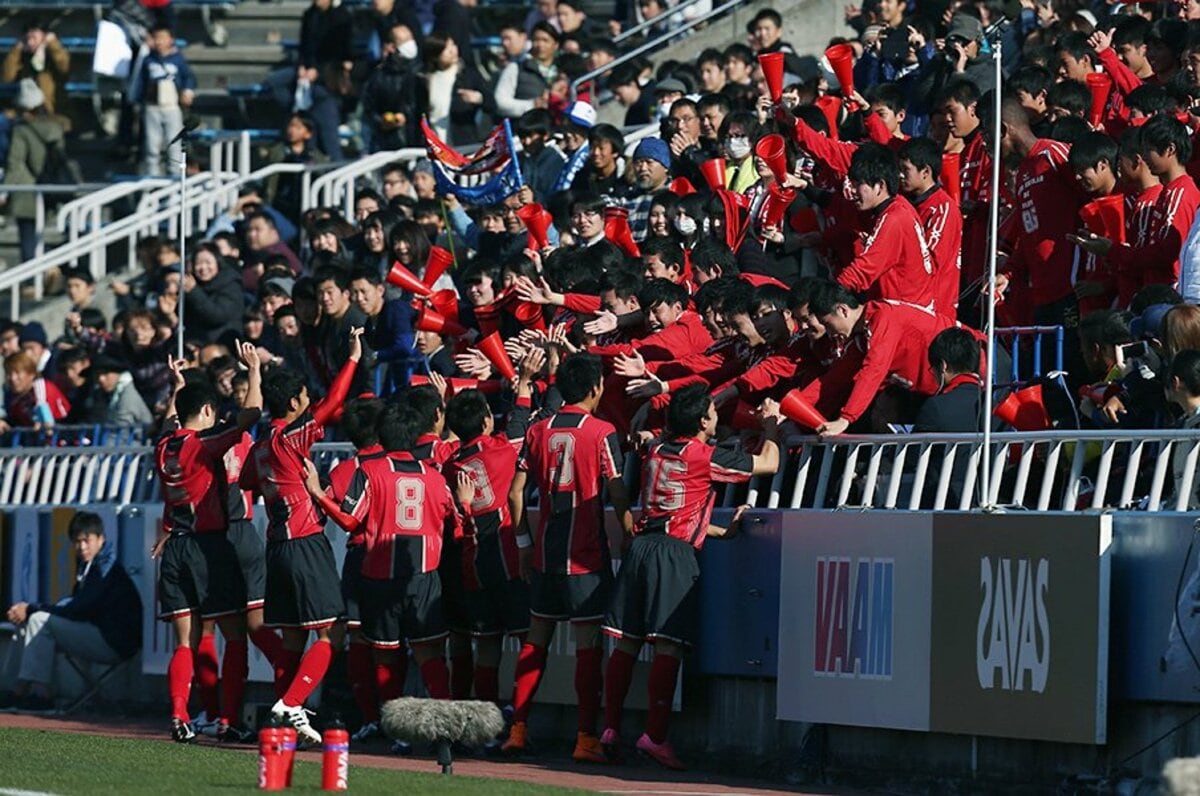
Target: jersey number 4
column 410, row 503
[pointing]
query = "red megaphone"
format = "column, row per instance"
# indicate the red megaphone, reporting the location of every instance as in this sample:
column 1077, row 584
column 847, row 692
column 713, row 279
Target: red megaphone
column 537, row 221
column 487, row 386
column 776, row 204
column 431, row 320
column 530, row 315
column 445, row 302
column 417, row 380
column 1100, row 85
column 1105, row 217
column 436, row 264
column 682, row 186
column 713, row 170
column 841, row 61
column 800, row 411
column 831, row 106
column 403, row 278
column 951, row 180
column 773, row 151
column 492, row 347
column 616, row 229
column 1024, row 410
column 772, row 69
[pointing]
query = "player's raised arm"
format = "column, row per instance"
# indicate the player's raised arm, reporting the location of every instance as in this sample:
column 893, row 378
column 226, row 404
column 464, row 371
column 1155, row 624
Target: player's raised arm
column 329, row 407
column 251, row 410
column 766, row 461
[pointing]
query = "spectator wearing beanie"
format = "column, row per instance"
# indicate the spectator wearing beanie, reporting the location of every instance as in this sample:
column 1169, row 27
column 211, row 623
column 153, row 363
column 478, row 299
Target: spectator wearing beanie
column 651, row 170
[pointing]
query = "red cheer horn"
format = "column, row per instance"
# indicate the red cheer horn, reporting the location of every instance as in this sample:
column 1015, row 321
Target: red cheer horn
column 682, row 186
column 831, row 106
column 773, row 151
column 841, row 61
column 1024, row 410
column 537, row 220
column 951, row 178
column 417, row 380
column 772, row 69
column 436, row 264
column 530, row 315
column 799, row 411
column 492, row 347
column 455, row 385
column 431, row 320
column 1105, row 217
column 616, row 229
column 776, row 204
column 1100, row 85
column 446, row 302
column 403, row 278
column 713, row 170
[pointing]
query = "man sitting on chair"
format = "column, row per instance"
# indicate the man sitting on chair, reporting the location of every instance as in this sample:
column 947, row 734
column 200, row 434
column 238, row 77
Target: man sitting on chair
column 100, row 622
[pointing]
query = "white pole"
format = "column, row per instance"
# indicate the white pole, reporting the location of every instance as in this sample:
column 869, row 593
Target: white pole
column 183, row 214
column 993, row 234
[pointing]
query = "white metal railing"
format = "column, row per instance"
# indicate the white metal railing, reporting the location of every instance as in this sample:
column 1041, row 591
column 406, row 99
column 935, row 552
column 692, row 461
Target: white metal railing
column 336, row 187
column 86, row 213
column 1043, row 471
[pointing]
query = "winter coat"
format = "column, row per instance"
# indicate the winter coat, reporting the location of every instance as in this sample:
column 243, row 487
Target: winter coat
column 51, row 78
column 31, row 141
column 214, row 307
column 394, row 87
column 124, row 406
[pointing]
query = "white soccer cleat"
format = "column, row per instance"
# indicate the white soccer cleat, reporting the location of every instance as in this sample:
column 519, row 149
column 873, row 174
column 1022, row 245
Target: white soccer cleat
column 297, row 717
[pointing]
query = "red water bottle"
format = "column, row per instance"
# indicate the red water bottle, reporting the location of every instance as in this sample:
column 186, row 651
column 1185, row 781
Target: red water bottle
column 335, row 762
column 272, row 770
column 289, row 752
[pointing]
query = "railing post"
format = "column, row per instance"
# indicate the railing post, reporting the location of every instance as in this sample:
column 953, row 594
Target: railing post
column 244, row 161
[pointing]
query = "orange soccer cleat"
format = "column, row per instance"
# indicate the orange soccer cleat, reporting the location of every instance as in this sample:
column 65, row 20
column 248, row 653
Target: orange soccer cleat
column 588, row 749
column 515, row 744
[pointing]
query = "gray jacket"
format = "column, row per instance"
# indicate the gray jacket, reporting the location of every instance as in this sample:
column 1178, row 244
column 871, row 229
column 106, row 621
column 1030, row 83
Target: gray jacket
column 31, row 140
column 125, row 405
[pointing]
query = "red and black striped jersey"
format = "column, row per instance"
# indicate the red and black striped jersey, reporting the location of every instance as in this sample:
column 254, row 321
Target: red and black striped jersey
column 275, row 469
column 571, row 455
column 341, row 475
column 677, row 492
column 189, row 462
column 238, row 502
column 433, row 449
column 404, row 507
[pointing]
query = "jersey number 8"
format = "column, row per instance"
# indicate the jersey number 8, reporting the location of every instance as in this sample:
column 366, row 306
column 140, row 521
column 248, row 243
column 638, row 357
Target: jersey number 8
column 410, row 499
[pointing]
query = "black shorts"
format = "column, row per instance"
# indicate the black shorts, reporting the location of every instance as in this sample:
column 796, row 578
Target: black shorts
column 199, row 574
column 395, row 611
column 499, row 610
column 657, row 594
column 303, row 589
column 248, row 542
column 454, row 601
column 579, row 598
column 351, row 583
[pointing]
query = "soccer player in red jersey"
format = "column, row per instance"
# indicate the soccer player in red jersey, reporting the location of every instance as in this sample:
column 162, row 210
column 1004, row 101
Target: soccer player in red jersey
column 941, row 219
column 895, row 262
column 657, row 599
column 403, row 507
column 1141, row 196
column 1093, row 158
column 959, row 102
column 303, row 592
column 496, row 597
column 360, row 422
column 572, row 456
column 199, row 577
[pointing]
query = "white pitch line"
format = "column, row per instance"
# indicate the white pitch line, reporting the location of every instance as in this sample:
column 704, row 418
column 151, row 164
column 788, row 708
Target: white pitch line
column 17, row 792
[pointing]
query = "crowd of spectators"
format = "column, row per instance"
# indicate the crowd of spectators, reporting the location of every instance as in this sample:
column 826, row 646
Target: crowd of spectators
column 833, row 239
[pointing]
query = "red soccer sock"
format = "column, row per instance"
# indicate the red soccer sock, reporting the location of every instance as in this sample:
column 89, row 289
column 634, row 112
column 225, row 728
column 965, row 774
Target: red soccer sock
column 588, row 666
column 436, row 677
column 313, row 666
column 531, row 665
column 286, row 664
column 361, row 671
column 179, row 681
column 616, row 686
column 663, row 673
column 462, row 674
column 487, row 683
column 389, row 680
column 269, row 643
column 235, row 668
column 205, row 663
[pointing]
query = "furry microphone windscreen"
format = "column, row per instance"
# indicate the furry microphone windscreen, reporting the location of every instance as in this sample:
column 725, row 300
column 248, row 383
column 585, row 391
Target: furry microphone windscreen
column 431, row 720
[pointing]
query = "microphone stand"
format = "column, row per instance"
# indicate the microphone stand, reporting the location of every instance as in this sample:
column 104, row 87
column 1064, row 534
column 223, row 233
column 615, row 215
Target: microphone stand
column 184, row 138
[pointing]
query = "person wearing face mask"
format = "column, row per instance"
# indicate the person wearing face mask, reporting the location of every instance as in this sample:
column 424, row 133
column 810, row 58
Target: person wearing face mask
column 738, row 132
column 394, row 95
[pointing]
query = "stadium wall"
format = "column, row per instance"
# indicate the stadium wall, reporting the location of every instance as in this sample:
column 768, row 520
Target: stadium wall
column 865, row 647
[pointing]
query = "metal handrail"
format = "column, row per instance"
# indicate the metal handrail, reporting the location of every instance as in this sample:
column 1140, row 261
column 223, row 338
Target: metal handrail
column 330, row 190
column 646, row 23
column 650, row 45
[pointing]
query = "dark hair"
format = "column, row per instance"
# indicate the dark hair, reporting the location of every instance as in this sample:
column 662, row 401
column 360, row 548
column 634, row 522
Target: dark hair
column 813, row 117
column 433, row 47
column 923, row 153
column 888, row 95
column 1185, row 366
column 623, row 75
column 738, row 299
column 1076, row 45
column 873, row 164
column 773, row 296
column 534, row 121
column 714, row 101
column 281, row 386
column 827, row 295
column 625, row 284
column 589, row 202
column 337, row 276
column 192, row 398
column 956, row 347
column 606, row 132
column 1073, row 97
column 802, row 291
column 428, row 400
column 578, row 376
column 662, row 291
column 740, row 52
column 259, row 214
column 1033, row 80
column 1164, row 131
column 961, row 90
column 372, row 194
column 748, row 122
column 1150, row 100
column 474, row 273
column 1130, row 144
column 548, row 29
column 1170, row 33
column 711, row 295
column 371, row 275
column 1148, row 296
column 1069, row 129
column 687, row 410
column 667, row 249
column 768, row 14
column 711, row 253
column 711, row 55
column 400, row 425
column 85, row 523
column 465, row 414
column 92, row 318
column 1104, row 327
column 1091, row 150
column 418, row 242
column 1131, row 30
column 360, row 421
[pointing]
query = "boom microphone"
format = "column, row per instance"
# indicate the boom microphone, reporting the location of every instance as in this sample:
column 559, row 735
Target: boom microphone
column 441, row 722
column 189, row 126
